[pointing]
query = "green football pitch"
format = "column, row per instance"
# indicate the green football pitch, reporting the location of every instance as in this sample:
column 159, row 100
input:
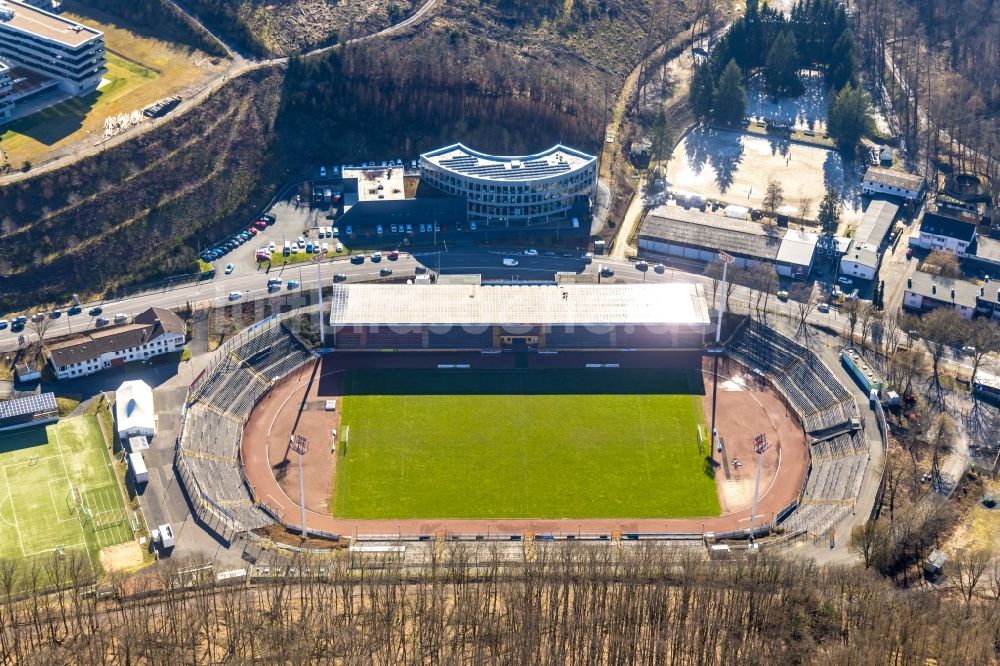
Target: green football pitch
column 594, row 443
column 58, row 490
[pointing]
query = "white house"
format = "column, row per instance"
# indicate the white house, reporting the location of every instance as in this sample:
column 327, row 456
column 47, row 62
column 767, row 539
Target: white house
column 155, row 331
column 925, row 291
column 134, row 412
column 865, row 252
column 879, row 180
column 944, row 232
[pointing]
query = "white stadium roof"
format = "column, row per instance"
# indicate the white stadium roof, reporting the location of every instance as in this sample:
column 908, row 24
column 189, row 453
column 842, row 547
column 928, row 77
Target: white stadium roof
column 464, row 161
column 458, row 304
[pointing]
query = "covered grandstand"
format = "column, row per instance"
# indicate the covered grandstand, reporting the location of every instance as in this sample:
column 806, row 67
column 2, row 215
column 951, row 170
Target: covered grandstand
column 497, row 317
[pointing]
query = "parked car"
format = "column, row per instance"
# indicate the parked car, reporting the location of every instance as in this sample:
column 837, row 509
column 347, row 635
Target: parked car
column 302, row 241
column 509, row 261
column 95, row 311
column 349, row 230
column 235, row 295
column 339, row 247
column 292, row 284
column 378, row 229
column 659, row 268
column 823, row 307
column 409, row 228
column 607, row 271
column 4, row 324
column 358, row 259
column 339, row 277
column 322, row 172
column 74, row 310
column 121, row 318
column 642, row 265
column 384, row 271
column 393, row 228
column 271, row 246
column 55, row 314
column 376, row 257
column 229, row 268
column 393, row 256
column 333, row 232
column 782, row 295
column 38, row 316
column 101, row 321
column 274, row 283
column 472, row 226
column 420, row 270
column 531, row 252
column 326, row 247
column 422, row 228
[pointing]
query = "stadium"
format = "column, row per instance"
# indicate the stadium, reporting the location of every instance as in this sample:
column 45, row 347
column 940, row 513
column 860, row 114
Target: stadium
column 513, row 411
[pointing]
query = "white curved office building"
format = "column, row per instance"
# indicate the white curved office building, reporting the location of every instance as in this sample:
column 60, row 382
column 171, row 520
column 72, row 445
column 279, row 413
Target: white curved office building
column 524, row 190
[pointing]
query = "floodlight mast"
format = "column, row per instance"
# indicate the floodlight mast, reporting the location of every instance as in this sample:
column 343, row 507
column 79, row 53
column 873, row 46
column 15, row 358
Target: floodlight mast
column 726, row 260
column 760, row 445
column 300, row 444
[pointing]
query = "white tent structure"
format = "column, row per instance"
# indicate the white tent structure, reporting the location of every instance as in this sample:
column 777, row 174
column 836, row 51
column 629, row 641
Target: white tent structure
column 134, row 411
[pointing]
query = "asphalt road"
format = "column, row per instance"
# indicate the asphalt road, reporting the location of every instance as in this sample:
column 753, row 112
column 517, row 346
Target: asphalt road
column 486, row 262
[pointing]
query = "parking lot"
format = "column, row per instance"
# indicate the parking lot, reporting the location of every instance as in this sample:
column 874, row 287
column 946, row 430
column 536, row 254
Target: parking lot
column 735, row 167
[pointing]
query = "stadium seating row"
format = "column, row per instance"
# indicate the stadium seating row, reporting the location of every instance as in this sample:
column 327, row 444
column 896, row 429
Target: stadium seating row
column 805, row 382
column 212, row 430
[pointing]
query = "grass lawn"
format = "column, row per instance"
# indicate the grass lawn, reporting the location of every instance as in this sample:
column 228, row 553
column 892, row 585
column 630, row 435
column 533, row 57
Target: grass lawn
column 40, row 468
column 523, row 444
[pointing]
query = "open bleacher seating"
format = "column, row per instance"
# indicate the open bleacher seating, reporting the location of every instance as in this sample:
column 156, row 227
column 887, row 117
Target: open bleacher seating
column 213, row 426
column 805, row 382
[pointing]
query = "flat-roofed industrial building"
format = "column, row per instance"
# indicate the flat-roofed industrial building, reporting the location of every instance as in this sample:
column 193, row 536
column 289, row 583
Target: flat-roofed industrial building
column 693, row 234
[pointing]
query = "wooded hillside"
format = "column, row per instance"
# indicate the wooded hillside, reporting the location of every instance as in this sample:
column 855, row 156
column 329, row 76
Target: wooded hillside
column 140, row 211
column 591, row 605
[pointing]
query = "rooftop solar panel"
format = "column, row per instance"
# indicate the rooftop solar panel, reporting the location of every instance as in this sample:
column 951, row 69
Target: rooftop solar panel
column 31, row 404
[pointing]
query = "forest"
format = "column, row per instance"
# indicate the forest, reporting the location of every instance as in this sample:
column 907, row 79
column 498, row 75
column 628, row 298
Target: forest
column 940, row 64
column 638, row 604
column 401, row 99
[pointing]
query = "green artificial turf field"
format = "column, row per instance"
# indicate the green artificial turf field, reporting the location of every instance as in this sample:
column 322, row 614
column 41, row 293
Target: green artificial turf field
column 58, row 489
column 592, row 443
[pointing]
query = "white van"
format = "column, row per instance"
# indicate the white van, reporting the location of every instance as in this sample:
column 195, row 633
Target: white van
column 137, row 467
column 509, row 262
